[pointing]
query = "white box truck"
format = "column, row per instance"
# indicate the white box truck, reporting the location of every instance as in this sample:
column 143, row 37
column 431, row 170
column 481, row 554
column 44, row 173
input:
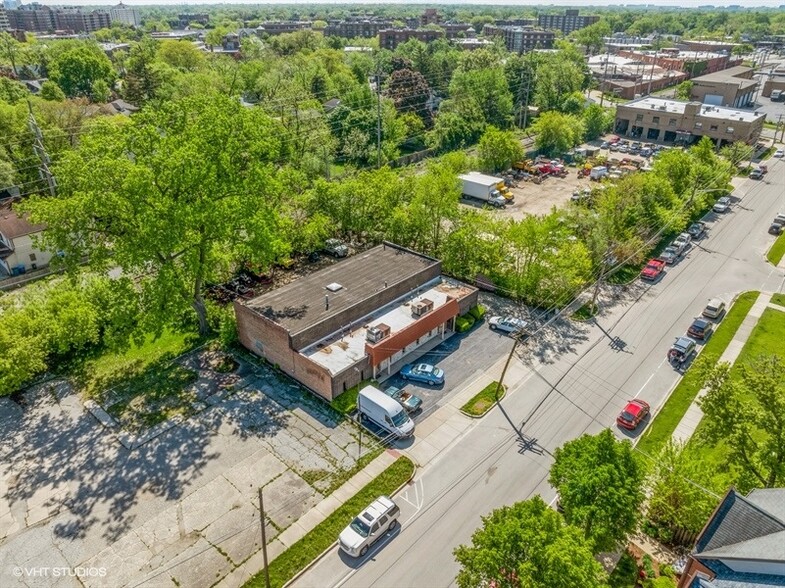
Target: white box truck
column 376, row 406
column 483, row 188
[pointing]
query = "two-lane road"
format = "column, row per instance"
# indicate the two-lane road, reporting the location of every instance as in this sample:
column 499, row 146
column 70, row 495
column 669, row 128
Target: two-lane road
column 582, row 391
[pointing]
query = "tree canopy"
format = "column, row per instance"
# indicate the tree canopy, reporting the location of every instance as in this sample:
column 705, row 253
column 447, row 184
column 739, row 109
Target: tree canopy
column 600, row 487
column 169, row 197
column 528, row 545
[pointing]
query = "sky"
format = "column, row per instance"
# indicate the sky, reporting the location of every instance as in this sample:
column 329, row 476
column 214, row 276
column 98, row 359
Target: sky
column 573, row 3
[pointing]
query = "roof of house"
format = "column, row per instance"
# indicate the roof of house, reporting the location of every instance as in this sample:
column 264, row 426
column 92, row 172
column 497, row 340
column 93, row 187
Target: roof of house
column 748, row 529
column 301, row 304
column 13, row 225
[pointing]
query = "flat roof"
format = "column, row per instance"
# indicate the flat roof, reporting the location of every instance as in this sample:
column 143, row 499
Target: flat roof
column 343, row 349
column 706, row 110
column 301, row 304
column 730, row 76
column 478, row 177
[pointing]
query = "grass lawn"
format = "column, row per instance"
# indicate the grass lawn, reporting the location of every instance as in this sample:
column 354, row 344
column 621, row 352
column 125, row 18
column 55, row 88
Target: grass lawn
column 585, row 312
column 777, row 250
column 765, row 339
column 483, row 400
column 284, row 567
column 666, row 421
column 778, row 299
column 137, row 385
column 346, row 403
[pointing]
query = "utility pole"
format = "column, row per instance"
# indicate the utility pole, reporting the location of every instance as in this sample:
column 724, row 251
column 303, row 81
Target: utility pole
column 378, row 120
column 38, row 146
column 264, row 540
column 651, row 74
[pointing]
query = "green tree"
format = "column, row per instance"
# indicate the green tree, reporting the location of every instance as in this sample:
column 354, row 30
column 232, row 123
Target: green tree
column 11, row 91
column 52, row 92
column 485, row 89
column 527, row 545
column 498, row 149
column 600, row 486
column 737, row 152
column 744, row 409
column 684, row 90
column 597, row 121
column 675, row 500
column 10, row 50
column 79, row 67
column 142, row 77
column 591, row 37
column 557, row 133
column 182, row 55
column 172, row 197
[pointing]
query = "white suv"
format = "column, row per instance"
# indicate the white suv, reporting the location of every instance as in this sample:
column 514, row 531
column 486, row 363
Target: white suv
column 372, row 524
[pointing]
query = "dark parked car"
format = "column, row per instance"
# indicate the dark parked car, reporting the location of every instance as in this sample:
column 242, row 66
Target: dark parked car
column 681, row 350
column 700, row 329
column 697, row 230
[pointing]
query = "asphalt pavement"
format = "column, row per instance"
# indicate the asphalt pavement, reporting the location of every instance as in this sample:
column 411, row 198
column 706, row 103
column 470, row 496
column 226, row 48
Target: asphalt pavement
column 569, row 390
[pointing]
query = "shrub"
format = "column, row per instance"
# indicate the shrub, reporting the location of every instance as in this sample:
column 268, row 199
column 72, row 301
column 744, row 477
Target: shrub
column 478, row 312
column 464, row 323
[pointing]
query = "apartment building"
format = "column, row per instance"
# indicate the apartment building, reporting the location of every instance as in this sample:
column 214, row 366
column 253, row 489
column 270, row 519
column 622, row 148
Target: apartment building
column 356, row 28
column 521, row 39
column 391, row 38
column 568, row 22
column 126, row 15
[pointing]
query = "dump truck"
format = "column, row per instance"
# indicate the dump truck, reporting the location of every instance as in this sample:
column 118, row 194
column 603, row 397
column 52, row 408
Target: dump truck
column 482, row 187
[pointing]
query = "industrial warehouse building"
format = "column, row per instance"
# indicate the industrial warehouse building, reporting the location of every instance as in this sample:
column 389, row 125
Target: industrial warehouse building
column 364, row 317
column 656, row 119
column 733, row 87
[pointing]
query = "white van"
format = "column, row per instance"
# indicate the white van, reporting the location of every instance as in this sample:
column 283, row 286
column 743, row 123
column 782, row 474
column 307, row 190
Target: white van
column 385, row 412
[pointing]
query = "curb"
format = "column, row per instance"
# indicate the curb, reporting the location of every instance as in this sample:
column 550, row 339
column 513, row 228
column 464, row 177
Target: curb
column 331, row 547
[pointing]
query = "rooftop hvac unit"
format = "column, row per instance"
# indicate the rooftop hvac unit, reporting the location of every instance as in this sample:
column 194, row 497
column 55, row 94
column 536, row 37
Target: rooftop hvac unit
column 422, row 307
column 377, row 333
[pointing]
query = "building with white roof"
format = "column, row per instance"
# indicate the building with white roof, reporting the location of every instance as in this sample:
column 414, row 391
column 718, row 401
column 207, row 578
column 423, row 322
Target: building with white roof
column 657, row 119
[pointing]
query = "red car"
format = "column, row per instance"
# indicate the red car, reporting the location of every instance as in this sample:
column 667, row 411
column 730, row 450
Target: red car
column 632, row 415
column 653, row 269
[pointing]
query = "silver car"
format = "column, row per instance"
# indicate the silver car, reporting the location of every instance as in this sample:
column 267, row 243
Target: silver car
column 507, row 324
column 722, row 205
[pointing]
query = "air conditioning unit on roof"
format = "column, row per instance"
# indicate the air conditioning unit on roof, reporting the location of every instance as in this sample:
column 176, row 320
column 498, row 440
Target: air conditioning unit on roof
column 377, row 333
column 422, row 307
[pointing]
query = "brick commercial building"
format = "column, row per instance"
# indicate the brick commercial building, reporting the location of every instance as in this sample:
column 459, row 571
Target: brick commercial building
column 566, row 23
column 630, row 78
column 521, row 39
column 280, row 27
column 655, row 119
column 391, row 38
column 693, row 63
column 357, row 319
column 733, row 87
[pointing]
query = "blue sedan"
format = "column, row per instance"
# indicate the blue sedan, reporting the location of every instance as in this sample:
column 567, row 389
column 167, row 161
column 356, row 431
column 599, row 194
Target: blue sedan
column 423, row 372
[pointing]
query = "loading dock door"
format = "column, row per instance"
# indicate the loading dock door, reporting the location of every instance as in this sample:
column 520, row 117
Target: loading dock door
column 713, row 99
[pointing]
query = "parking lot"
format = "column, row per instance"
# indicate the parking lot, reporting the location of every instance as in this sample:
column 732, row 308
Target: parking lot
column 463, row 357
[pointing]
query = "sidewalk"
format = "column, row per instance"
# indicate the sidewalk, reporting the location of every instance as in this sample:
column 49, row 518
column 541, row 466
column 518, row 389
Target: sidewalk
column 435, row 434
column 692, row 418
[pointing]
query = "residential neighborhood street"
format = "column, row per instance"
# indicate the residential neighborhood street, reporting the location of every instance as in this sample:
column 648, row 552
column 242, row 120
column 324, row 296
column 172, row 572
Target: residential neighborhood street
column 505, row 457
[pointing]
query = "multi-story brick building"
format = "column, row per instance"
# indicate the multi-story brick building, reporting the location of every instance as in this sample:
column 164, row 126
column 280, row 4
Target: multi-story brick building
column 656, row 119
column 364, row 317
column 185, row 19
column 4, row 24
column 568, row 22
column 693, row 63
column 456, row 30
column 356, row 28
column 521, row 39
column 391, row 38
column 42, row 19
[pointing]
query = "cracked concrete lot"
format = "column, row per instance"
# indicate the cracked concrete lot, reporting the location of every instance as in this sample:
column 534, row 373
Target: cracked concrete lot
column 181, row 510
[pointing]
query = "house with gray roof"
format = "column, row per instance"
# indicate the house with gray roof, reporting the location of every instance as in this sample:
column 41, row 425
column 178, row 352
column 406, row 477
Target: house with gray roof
column 742, row 545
